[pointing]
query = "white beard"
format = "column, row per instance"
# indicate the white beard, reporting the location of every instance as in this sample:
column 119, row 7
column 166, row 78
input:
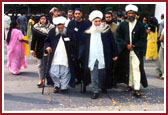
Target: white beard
column 102, row 29
column 58, row 32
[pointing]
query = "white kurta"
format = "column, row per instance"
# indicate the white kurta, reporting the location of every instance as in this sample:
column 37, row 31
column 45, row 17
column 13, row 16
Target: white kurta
column 134, row 71
column 59, row 71
column 60, row 56
column 96, row 51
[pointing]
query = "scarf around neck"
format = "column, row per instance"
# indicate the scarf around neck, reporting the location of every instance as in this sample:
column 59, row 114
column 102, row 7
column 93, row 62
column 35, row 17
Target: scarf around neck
column 44, row 29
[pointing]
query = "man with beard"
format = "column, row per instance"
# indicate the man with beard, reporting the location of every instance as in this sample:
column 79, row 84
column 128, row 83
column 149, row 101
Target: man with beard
column 100, row 50
column 59, row 45
column 111, row 24
column 131, row 40
column 76, row 28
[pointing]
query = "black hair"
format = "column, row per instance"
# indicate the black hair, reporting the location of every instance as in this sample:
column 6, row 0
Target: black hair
column 109, row 13
column 13, row 25
column 43, row 15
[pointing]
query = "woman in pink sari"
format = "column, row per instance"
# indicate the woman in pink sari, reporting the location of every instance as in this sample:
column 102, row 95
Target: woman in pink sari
column 16, row 54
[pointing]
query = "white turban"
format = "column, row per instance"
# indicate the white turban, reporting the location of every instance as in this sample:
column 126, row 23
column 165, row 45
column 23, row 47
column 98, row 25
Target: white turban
column 131, row 7
column 59, row 20
column 95, row 14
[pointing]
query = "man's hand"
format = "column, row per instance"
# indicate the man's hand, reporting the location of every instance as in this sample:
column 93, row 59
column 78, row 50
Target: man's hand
column 115, row 58
column 49, row 49
column 32, row 53
column 130, row 47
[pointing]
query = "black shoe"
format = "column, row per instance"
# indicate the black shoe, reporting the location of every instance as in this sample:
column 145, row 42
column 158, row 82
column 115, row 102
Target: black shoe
column 137, row 93
column 64, row 91
column 94, row 96
column 56, row 90
column 104, row 90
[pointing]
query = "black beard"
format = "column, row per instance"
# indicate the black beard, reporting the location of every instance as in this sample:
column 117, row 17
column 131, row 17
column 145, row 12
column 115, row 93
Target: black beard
column 109, row 22
column 131, row 18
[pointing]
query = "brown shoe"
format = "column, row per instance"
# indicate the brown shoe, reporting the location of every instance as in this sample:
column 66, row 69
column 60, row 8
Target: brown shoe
column 128, row 89
column 137, row 93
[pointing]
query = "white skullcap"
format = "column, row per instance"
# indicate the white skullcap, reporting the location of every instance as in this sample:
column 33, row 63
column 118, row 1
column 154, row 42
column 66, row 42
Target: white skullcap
column 131, row 7
column 95, row 14
column 54, row 8
column 59, row 20
column 19, row 15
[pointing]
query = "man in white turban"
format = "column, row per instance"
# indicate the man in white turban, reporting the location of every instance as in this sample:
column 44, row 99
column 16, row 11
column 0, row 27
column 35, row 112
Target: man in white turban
column 100, row 50
column 131, row 39
column 59, row 46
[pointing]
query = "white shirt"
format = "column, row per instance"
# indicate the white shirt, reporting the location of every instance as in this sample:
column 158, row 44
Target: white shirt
column 131, row 27
column 96, row 51
column 60, row 55
column 7, row 21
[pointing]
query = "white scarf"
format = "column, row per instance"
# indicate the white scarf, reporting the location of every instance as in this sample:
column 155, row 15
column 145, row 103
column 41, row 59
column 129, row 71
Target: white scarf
column 102, row 29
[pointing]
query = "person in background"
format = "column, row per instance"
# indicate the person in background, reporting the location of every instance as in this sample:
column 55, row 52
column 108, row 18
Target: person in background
column 161, row 26
column 108, row 9
column 121, row 18
column 61, row 13
column 70, row 17
column 131, row 40
column 29, row 28
column 54, row 13
column 160, row 60
column 22, row 21
column 16, row 54
column 145, row 22
column 7, row 21
column 39, row 33
column 138, row 16
column 109, row 20
column 151, row 50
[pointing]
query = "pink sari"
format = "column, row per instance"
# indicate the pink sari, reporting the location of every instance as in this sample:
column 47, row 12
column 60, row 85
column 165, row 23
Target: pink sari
column 16, row 54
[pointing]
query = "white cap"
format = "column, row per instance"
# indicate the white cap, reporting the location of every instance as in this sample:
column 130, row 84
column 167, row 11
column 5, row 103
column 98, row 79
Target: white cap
column 19, row 15
column 54, row 8
column 131, row 7
column 95, row 14
column 59, row 20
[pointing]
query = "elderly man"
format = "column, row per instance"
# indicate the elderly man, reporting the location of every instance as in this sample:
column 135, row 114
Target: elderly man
column 131, row 39
column 100, row 50
column 59, row 45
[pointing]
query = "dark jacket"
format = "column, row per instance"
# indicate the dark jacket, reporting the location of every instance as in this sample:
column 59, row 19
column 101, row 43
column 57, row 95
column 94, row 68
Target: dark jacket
column 78, row 36
column 110, row 51
column 52, row 41
column 37, row 43
column 139, row 41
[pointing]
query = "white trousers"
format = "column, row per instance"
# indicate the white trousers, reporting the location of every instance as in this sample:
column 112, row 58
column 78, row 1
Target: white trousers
column 134, row 71
column 60, row 75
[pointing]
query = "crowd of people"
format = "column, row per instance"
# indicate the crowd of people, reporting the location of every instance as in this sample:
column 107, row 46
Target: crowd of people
column 97, row 49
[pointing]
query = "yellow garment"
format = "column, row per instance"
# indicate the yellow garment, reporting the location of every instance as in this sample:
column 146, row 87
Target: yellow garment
column 26, row 46
column 151, row 51
column 29, row 31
